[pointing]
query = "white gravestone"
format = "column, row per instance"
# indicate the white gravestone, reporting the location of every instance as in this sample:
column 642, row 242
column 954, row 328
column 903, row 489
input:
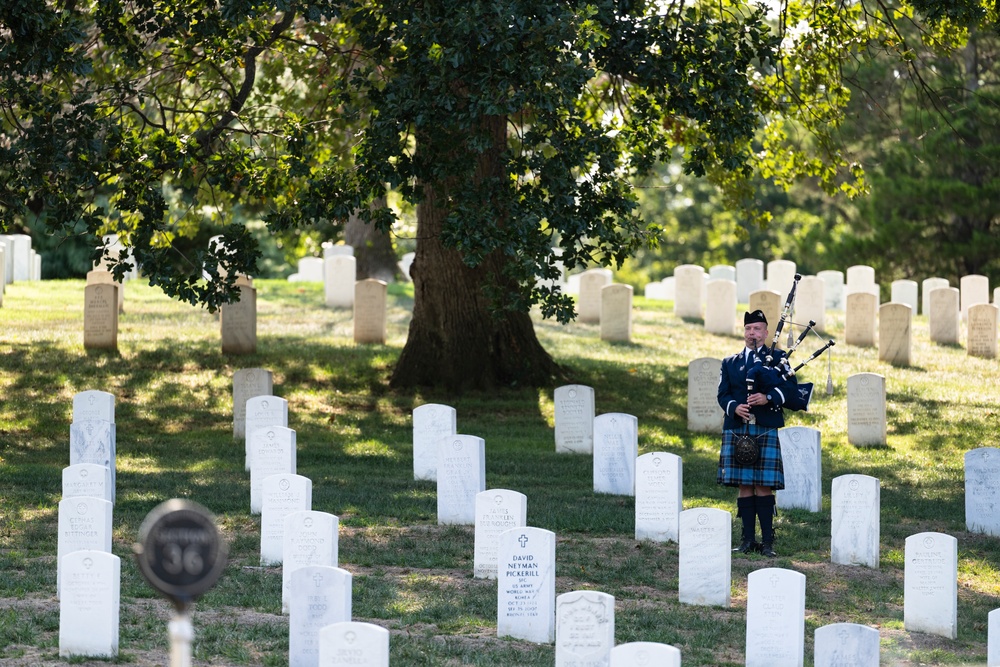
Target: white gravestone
column 100, row 317
column 89, row 604
column 975, row 289
column 3, row 269
column 370, row 311
column 99, row 277
column 982, row 491
column 930, row 584
column 996, row 296
column 589, row 303
column 21, row 257
column 283, row 494
column 431, row 423
column 749, row 278
column 689, row 285
column 526, row 585
column 810, row 302
column 905, row 291
column 353, row 643
column 926, row 287
column 248, row 383
column 238, row 321
column 859, row 322
column 331, row 249
column 84, row 524
column 866, row 417
column 943, row 316
column 405, row 264
column 616, row 313
column 616, row 446
column 669, row 288
column 497, row 510
column 262, row 411
column 860, row 278
column 645, row 654
column 855, row 530
column 7, row 244
column 895, row 327
column 310, row 270
column 93, row 441
column 802, row 460
column 720, row 307
column 320, row 596
column 339, row 275
column 656, row 291
column 771, row 303
column 982, row 331
column 993, row 639
column 574, row 419
column 310, row 538
column 780, row 276
column 86, row 479
column 585, row 629
column 272, row 452
column 94, row 404
column 722, row 272
column 846, row 644
column 833, row 281
column 776, row 604
column 461, row 474
column 658, row 496
column 703, row 412
column 704, row 573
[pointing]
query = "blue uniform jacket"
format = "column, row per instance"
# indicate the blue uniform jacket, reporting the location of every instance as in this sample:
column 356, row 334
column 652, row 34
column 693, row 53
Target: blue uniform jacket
column 733, row 392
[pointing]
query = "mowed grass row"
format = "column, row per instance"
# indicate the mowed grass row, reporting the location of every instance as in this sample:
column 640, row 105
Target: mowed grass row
column 174, row 424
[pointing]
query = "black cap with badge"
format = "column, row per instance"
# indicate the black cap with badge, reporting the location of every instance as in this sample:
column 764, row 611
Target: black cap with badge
column 755, row 316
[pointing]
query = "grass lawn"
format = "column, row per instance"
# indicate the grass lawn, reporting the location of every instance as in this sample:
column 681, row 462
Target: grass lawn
column 173, row 390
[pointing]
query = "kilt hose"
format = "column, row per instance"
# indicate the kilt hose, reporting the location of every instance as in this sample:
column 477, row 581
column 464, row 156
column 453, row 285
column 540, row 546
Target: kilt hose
column 768, row 470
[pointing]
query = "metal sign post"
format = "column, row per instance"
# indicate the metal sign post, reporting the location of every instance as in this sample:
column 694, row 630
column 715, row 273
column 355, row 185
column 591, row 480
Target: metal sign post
column 181, row 554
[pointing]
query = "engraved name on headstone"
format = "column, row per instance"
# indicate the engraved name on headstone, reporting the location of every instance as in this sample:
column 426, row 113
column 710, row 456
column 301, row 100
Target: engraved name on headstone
column 866, row 417
column 616, row 446
column 855, row 502
column 354, row 643
column 930, row 584
column 982, row 490
column 320, row 596
column 585, row 629
column 803, row 464
column 703, row 412
column 658, row 496
column 943, row 316
column 89, row 604
column 100, row 317
column 895, row 327
column 282, row 495
column 263, row 411
column 526, row 584
column 846, row 645
column 431, row 423
column 461, row 474
column 574, row 418
column 497, row 510
column 616, row 313
column 776, row 601
column 705, row 557
column 272, row 452
column 86, row 479
column 982, row 331
column 84, row 524
column 310, row 538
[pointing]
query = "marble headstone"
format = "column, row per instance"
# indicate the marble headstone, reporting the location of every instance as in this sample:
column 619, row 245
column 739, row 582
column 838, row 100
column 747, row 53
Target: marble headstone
column 239, row 323
column 100, row 317
column 320, row 596
column 311, row 270
column 574, row 418
column 993, row 639
column 497, row 510
column 656, row 291
column 339, row 276
column 331, row 249
column 780, row 276
column 645, row 654
column 272, row 452
column 261, row 412
column 895, row 327
column 703, row 412
column 689, row 281
column 616, row 313
column 982, row 491
column 93, row 404
column 855, row 530
column 585, row 629
column 93, row 441
column 310, row 538
column 526, row 584
column 866, row 416
column 749, row 278
column 720, row 307
column 705, row 573
column 846, row 644
column 616, row 446
column 833, row 282
column 943, row 316
column 770, row 302
column 810, row 302
column 99, row 277
column 776, row 601
column 89, row 604
column 982, row 331
column 431, row 423
column 21, row 257
column 722, row 272
column 658, row 496
column 975, row 289
column 860, row 278
column 248, row 383
column 592, row 281
column 84, row 524
column 87, row 479
column 803, row 464
column 370, row 311
column 906, row 291
column 926, row 287
column 930, row 584
column 859, row 322
column 461, row 474
column 282, row 495
column 354, row 643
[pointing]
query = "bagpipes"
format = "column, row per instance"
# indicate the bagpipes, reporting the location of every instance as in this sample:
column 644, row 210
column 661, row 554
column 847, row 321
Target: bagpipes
column 769, row 372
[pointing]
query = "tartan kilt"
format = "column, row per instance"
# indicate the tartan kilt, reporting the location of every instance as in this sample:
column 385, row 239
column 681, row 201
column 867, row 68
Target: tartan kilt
column 768, row 470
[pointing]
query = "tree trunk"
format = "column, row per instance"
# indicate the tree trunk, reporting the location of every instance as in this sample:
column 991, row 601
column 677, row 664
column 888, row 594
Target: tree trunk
column 455, row 341
column 373, row 249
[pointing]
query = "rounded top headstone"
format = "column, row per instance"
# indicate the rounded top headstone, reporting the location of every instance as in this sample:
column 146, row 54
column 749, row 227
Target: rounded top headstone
column 180, row 550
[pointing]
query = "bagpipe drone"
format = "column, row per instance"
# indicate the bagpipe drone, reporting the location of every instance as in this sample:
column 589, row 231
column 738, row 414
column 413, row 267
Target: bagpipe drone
column 770, row 371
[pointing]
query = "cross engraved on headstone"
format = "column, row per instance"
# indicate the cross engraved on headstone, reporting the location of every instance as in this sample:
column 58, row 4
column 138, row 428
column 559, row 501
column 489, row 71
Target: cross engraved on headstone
column 318, row 579
column 774, row 581
column 523, row 541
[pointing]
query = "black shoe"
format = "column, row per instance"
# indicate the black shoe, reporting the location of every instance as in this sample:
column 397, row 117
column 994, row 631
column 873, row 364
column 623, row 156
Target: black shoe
column 767, row 550
column 746, row 546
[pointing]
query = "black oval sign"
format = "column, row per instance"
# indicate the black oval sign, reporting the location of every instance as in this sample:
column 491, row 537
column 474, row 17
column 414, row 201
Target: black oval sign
column 180, row 551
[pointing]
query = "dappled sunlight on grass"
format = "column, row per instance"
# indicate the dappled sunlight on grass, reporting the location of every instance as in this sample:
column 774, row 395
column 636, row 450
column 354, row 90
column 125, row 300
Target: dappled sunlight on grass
column 370, row 448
